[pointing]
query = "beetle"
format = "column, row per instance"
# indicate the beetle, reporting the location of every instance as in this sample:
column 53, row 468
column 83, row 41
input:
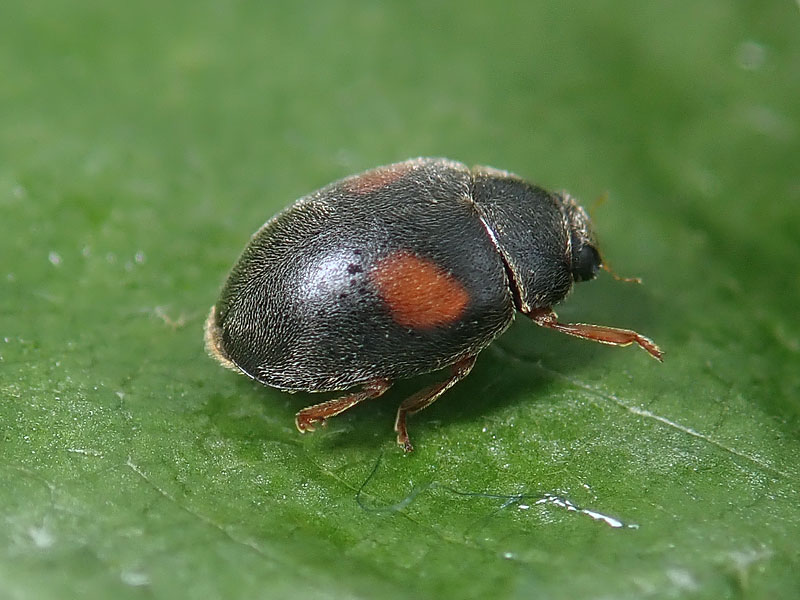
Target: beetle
column 398, row 271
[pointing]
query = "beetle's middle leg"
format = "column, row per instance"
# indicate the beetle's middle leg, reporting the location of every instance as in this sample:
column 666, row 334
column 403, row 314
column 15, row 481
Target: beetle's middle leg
column 426, row 397
column 308, row 418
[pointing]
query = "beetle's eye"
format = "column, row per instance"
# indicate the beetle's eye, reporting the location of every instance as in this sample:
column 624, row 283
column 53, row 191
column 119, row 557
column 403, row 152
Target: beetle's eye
column 585, row 263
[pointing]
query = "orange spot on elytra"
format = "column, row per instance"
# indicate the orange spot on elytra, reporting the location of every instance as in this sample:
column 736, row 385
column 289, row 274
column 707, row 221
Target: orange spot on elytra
column 418, row 293
column 376, row 179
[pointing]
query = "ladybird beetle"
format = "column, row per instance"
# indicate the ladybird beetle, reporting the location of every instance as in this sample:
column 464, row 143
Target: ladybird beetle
column 399, row 271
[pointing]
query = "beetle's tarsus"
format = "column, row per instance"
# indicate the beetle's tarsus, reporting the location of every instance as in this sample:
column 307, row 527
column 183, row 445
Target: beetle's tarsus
column 405, row 444
column 305, row 422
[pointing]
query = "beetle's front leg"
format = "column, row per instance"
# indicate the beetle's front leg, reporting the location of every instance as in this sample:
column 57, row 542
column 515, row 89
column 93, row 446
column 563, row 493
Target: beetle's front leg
column 598, row 333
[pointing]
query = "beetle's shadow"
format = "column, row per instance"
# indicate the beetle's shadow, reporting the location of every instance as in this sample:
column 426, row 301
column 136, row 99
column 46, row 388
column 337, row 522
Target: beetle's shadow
column 506, row 373
column 499, row 380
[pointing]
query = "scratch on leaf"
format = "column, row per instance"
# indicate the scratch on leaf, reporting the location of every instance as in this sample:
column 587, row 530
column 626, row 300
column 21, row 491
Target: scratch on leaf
column 642, row 412
column 204, row 519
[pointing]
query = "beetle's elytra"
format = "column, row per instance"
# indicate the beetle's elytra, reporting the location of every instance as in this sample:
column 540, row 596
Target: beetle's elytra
column 396, row 272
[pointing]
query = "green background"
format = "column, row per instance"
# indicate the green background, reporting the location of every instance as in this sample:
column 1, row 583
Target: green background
column 142, row 143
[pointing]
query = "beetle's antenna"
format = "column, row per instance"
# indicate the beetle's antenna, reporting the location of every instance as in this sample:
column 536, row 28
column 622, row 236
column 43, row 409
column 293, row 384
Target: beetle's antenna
column 605, row 266
column 598, row 202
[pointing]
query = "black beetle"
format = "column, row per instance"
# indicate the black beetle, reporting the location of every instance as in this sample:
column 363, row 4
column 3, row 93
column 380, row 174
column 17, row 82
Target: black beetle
column 396, row 272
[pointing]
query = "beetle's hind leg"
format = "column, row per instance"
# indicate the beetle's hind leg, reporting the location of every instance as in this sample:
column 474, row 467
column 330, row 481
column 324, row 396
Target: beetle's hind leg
column 308, row 418
column 599, row 333
column 426, row 397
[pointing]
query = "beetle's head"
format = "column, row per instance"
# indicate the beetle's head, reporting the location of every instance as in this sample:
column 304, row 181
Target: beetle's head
column 584, row 258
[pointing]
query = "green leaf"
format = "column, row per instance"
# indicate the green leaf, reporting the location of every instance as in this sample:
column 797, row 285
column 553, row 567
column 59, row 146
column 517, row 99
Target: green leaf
column 142, row 143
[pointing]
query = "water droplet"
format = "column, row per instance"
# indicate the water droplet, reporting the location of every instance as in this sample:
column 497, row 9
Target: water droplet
column 751, row 55
column 41, row 537
column 134, row 578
